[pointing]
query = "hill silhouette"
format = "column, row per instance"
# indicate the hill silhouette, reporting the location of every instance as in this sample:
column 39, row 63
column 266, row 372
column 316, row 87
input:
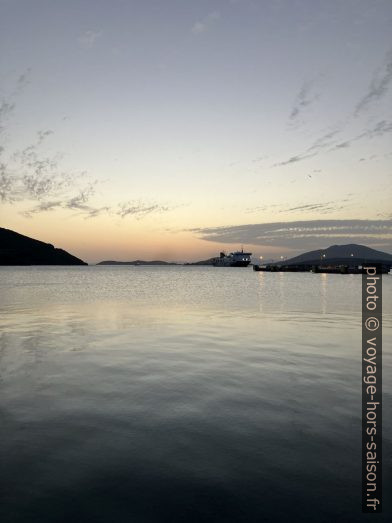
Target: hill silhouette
column 17, row 249
column 351, row 253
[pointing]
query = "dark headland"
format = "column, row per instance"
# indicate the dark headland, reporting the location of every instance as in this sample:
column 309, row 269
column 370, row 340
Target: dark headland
column 16, row 249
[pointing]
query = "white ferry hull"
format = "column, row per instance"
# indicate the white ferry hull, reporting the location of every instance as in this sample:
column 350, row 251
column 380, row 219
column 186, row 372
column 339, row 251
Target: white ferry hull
column 234, row 259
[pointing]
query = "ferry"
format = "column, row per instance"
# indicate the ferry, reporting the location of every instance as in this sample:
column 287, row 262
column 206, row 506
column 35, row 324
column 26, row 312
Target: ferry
column 234, row 259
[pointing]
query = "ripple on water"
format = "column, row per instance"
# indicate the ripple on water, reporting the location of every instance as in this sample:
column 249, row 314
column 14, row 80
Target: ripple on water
column 182, row 394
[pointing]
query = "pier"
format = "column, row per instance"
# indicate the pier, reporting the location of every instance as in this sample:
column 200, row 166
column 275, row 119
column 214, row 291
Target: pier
column 326, row 268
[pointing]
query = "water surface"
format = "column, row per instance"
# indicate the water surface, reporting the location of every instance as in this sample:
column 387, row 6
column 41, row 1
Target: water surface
column 183, row 394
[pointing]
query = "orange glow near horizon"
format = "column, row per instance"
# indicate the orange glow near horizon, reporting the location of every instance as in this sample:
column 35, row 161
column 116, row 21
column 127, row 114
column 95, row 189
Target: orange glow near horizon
column 102, row 239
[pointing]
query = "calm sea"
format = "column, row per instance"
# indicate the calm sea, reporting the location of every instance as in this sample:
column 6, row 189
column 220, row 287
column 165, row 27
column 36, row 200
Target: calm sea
column 183, row 394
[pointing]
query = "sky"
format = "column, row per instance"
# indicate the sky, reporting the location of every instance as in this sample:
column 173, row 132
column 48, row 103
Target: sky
column 174, row 129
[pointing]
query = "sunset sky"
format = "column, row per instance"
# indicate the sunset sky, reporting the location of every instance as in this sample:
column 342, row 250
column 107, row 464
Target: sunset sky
column 173, row 129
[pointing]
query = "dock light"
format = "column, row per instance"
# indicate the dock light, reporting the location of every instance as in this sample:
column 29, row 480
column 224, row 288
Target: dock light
column 261, row 257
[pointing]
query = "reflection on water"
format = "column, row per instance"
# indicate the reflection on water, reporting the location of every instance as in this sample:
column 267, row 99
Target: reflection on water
column 323, row 293
column 168, row 394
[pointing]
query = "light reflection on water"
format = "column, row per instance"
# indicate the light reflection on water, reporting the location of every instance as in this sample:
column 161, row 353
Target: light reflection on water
column 154, row 394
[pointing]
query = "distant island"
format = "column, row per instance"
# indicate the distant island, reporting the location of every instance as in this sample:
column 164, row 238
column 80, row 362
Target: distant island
column 343, row 259
column 210, row 261
column 136, row 262
column 351, row 253
column 16, row 249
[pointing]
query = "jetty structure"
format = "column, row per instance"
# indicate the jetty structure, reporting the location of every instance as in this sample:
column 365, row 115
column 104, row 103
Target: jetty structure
column 337, row 259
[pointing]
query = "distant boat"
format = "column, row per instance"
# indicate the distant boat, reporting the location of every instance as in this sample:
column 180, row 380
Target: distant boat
column 234, row 259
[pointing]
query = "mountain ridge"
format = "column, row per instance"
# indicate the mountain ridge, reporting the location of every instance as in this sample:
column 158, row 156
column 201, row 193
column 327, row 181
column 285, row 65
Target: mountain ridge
column 18, row 249
column 351, row 251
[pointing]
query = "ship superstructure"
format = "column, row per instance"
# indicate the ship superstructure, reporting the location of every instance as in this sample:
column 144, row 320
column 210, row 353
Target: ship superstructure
column 234, row 259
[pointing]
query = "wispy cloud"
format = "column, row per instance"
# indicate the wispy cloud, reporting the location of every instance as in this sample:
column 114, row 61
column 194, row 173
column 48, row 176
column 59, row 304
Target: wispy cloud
column 82, row 206
column 88, row 38
column 325, row 140
column 304, row 99
column 6, row 184
column 206, row 23
column 294, row 159
column 329, row 142
column 333, row 140
column 36, row 179
column 378, row 87
column 379, row 129
column 28, row 175
column 37, row 176
column 87, row 211
column 33, row 178
column 6, row 108
column 301, row 235
column 320, row 207
column 261, row 208
column 81, row 202
column 22, row 81
column 42, row 207
column 140, row 209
